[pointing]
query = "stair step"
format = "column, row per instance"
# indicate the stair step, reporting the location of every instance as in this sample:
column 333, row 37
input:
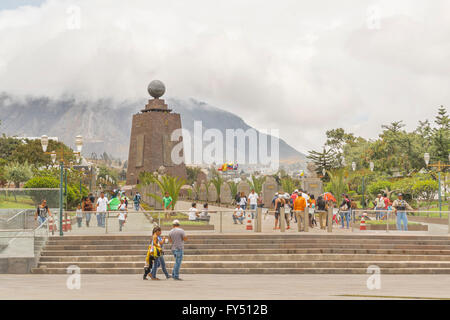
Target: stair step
column 255, row 257
column 257, row 264
column 252, row 271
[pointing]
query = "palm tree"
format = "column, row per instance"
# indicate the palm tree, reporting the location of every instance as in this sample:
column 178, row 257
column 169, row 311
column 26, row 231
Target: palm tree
column 217, row 181
column 337, row 185
column 169, row 184
column 233, row 188
column 196, row 188
column 256, row 183
column 287, row 184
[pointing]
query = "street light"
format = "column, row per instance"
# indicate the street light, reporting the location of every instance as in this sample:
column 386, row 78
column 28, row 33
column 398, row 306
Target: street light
column 60, row 154
column 79, row 143
column 354, row 165
column 439, row 165
column 372, row 166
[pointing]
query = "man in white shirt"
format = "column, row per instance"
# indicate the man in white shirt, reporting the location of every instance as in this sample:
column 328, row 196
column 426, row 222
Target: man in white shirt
column 102, row 207
column 253, row 201
column 193, row 212
column 304, row 195
column 238, row 215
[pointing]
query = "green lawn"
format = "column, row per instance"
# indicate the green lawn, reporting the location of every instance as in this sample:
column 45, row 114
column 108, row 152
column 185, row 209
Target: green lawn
column 186, row 223
column 15, row 205
column 382, row 222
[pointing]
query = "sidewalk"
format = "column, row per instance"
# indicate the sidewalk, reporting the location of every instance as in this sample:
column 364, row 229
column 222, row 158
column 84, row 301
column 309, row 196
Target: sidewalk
column 236, row 287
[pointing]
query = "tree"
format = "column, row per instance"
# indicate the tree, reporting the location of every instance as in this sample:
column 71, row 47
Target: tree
column 217, row 181
column 233, row 188
column 288, row 184
column 192, row 174
column 41, row 182
column 441, row 136
column 17, row 173
column 169, row 184
column 323, row 160
column 256, row 183
column 3, row 179
column 426, row 189
column 380, row 186
column 337, row 185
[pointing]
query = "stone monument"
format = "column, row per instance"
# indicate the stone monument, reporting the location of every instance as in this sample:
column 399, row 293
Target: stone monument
column 212, row 193
column 269, row 188
column 312, row 182
column 150, row 143
column 225, row 193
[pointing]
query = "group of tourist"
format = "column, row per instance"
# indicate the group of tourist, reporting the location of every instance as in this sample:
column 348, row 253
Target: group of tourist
column 195, row 215
column 298, row 202
column 155, row 252
column 383, row 206
column 243, row 202
column 99, row 207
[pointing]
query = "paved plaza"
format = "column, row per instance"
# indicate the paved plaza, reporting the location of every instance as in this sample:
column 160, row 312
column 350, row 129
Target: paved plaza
column 236, row 287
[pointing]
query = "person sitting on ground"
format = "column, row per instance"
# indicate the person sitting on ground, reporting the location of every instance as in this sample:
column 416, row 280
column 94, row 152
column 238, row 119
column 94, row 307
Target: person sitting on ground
column 193, row 212
column 238, row 215
column 204, row 214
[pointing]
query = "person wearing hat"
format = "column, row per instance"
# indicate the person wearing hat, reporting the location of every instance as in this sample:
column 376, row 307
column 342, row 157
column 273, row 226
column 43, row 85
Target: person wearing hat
column 400, row 206
column 177, row 237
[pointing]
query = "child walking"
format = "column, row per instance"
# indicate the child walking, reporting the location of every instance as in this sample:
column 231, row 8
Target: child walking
column 79, row 215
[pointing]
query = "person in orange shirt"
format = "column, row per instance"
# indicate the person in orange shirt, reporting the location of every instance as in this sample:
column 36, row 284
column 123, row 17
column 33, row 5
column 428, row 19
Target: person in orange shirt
column 299, row 206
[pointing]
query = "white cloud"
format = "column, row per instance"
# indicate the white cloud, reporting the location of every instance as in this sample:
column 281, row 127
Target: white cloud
column 299, row 66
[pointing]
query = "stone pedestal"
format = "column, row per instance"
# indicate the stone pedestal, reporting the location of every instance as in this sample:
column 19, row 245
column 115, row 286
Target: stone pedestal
column 225, row 194
column 313, row 186
column 212, row 193
column 270, row 187
column 244, row 187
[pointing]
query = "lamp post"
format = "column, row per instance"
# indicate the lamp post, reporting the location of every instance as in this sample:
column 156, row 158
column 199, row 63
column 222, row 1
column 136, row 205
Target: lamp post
column 439, row 166
column 62, row 162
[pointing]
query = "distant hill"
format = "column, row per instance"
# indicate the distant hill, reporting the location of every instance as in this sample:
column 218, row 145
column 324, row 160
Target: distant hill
column 105, row 125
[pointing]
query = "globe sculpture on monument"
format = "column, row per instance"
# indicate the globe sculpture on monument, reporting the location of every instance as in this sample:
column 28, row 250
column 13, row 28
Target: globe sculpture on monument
column 150, row 141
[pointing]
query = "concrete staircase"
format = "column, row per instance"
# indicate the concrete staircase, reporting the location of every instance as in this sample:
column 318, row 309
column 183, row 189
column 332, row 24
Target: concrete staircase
column 254, row 254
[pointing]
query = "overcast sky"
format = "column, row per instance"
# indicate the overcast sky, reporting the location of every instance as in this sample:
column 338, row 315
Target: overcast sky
column 300, row 66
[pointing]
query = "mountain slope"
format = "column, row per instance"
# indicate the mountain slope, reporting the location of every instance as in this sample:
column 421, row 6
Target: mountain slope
column 105, row 124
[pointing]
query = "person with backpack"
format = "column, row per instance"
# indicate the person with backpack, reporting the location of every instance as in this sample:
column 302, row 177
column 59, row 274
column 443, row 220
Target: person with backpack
column 345, row 210
column 137, row 201
column 400, row 206
column 322, row 209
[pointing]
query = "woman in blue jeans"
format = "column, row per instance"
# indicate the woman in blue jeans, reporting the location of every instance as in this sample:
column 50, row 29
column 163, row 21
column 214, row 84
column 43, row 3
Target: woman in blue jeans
column 345, row 210
column 159, row 261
